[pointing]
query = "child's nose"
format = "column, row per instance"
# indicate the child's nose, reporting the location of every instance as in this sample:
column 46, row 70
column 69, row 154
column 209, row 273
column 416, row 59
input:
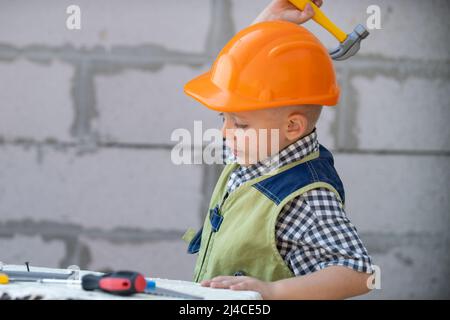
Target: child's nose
column 226, row 128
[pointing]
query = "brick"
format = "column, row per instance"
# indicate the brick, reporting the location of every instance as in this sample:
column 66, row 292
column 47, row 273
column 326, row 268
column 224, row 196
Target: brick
column 409, row 114
column 33, row 108
column 109, row 188
column 413, row 271
column 244, row 12
column 398, row 20
column 145, row 107
column 326, row 127
column 397, row 194
column 39, row 252
column 165, row 259
column 178, row 25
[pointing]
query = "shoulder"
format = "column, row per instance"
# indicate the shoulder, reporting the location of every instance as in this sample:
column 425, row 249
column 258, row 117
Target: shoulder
column 322, row 200
column 312, row 206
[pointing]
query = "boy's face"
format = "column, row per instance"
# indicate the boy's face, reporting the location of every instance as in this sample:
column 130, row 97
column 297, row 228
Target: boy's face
column 255, row 135
column 245, row 137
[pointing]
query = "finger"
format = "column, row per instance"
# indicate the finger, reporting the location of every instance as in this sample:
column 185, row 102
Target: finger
column 205, row 283
column 222, row 278
column 222, row 284
column 308, row 12
column 297, row 16
column 226, row 283
column 219, row 285
column 246, row 285
column 318, row 2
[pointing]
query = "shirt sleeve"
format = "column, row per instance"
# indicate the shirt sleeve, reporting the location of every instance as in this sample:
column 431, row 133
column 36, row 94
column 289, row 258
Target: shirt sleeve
column 313, row 232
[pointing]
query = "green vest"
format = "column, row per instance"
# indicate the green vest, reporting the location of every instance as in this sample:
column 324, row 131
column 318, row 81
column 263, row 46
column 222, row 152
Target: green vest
column 238, row 234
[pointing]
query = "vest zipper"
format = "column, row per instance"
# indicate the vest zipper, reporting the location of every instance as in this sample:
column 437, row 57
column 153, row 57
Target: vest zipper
column 204, row 256
column 209, row 238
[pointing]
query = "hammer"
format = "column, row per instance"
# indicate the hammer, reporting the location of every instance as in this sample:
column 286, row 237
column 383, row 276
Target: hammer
column 349, row 44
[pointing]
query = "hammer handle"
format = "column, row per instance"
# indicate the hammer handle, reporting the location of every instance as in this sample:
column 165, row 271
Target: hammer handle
column 321, row 19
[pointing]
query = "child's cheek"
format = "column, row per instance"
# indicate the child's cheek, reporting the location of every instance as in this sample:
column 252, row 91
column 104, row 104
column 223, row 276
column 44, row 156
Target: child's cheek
column 248, row 149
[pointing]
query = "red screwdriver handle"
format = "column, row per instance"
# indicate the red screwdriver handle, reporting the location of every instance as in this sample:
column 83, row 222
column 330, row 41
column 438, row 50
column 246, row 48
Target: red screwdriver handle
column 120, row 282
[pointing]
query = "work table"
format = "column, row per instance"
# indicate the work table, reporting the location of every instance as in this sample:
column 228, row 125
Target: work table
column 36, row 290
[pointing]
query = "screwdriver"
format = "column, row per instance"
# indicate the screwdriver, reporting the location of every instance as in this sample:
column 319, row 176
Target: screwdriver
column 127, row 283
column 123, row 283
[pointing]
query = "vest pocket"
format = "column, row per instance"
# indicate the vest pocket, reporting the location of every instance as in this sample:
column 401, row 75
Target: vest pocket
column 215, row 218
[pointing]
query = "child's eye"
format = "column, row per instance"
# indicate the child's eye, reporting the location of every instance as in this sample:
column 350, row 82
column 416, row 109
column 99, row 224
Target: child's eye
column 222, row 117
column 240, row 126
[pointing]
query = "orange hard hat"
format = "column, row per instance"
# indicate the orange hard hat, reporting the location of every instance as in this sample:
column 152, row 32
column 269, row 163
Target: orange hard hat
column 269, row 64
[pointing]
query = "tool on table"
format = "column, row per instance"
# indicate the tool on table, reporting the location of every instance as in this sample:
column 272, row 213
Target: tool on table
column 40, row 276
column 349, row 44
column 32, row 276
column 35, row 276
column 4, row 279
column 128, row 283
column 152, row 289
column 120, row 282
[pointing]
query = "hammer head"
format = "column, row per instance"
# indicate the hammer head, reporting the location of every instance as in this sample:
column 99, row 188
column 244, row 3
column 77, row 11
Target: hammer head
column 350, row 45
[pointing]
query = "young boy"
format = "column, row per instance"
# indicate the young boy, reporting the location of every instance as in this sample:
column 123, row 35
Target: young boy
column 276, row 224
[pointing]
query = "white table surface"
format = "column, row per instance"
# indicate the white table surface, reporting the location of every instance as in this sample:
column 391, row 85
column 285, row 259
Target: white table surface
column 74, row 291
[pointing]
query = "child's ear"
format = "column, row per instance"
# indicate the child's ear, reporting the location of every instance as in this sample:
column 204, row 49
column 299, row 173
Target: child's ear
column 296, row 126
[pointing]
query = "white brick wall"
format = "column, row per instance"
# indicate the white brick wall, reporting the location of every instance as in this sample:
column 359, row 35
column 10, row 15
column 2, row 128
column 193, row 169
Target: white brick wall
column 18, row 249
column 108, row 189
column 146, row 107
column 177, row 25
column 327, row 127
column 162, row 259
column 412, row 271
column 398, row 194
column 402, row 115
column 35, row 100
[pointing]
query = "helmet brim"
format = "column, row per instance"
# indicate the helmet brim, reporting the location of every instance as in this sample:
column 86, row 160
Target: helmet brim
column 203, row 89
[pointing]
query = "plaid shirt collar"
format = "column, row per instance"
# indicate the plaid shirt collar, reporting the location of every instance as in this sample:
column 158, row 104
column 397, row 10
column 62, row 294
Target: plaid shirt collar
column 294, row 152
